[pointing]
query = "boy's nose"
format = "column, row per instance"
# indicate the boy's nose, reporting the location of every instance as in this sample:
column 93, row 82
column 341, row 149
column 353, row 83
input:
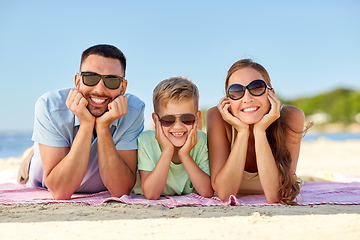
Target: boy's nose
column 178, row 123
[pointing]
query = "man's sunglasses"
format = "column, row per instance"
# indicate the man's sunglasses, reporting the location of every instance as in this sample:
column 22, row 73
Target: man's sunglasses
column 256, row 88
column 169, row 120
column 110, row 81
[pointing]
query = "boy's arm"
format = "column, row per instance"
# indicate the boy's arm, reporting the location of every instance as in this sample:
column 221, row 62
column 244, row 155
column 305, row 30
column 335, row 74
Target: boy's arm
column 153, row 182
column 200, row 180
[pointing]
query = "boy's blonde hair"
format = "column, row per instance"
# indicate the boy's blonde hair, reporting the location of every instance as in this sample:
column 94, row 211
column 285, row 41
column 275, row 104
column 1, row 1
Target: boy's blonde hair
column 177, row 88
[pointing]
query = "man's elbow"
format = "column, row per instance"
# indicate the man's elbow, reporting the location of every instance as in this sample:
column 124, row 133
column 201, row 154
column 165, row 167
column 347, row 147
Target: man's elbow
column 60, row 195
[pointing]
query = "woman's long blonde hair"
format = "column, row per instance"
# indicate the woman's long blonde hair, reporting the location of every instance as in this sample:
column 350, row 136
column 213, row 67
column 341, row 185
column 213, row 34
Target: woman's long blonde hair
column 276, row 135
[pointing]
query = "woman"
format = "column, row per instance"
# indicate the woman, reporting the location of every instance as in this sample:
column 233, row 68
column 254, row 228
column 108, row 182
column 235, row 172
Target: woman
column 254, row 143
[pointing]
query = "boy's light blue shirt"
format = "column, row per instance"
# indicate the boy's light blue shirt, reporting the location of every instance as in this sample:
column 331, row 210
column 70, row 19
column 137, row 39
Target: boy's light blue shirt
column 55, row 125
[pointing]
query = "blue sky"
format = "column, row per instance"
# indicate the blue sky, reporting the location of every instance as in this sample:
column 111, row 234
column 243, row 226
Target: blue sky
column 308, row 47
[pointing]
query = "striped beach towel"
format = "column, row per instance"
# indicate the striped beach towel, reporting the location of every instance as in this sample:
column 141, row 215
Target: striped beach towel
column 312, row 193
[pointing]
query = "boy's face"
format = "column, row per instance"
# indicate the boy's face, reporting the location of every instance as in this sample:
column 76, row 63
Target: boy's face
column 178, row 132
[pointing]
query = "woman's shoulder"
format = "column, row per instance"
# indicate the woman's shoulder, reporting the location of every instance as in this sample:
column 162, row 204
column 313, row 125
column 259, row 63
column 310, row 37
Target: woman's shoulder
column 215, row 124
column 294, row 117
column 213, row 117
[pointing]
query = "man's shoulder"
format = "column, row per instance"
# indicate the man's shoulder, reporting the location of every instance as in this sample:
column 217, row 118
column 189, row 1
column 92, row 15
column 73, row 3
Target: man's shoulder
column 135, row 102
column 57, row 97
column 54, row 102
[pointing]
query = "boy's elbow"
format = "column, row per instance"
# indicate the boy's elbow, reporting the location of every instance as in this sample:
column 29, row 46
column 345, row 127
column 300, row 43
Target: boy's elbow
column 152, row 196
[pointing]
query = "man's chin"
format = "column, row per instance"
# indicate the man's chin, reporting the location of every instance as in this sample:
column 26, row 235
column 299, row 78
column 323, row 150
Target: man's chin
column 97, row 112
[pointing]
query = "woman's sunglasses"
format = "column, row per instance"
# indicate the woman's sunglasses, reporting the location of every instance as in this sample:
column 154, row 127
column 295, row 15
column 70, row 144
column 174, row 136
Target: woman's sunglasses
column 110, row 81
column 256, row 88
column 169, row 120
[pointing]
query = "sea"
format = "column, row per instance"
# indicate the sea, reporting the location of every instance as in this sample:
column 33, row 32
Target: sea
column 14, row 144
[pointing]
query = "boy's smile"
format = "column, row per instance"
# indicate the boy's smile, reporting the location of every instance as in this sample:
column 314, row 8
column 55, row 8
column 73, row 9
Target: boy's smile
column 178, row 132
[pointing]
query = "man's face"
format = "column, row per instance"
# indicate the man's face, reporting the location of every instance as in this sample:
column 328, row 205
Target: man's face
column 99, row 96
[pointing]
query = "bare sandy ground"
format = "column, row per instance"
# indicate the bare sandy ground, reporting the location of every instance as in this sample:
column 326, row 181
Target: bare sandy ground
column 120, row 221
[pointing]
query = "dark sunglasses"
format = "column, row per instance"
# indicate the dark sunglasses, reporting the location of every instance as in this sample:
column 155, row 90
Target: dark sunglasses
column 110, row 81
column 168, row 120
column 255, row 88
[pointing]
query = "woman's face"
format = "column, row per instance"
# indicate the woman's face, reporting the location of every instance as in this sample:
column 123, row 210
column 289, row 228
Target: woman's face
column 249, row 109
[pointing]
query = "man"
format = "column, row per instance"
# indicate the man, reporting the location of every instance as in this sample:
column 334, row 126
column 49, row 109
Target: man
column 85, row 138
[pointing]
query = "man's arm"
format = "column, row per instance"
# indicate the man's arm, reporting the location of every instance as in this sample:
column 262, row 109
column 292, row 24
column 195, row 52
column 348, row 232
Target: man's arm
column 117, row 167
column 64, row 167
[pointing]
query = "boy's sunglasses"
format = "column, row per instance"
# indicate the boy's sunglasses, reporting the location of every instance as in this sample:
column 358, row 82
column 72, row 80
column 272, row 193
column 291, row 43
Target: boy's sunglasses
column 256, row 88
column 169, row 120
column 110, row 81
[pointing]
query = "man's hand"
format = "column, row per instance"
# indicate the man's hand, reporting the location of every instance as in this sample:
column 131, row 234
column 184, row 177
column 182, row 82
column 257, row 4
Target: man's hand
column 117, row 108
column 77, row 104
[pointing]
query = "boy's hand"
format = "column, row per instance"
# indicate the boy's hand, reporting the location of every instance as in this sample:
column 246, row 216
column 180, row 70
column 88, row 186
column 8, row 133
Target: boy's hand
column 160, row 136
column 117, row 108
column 190, row 141
column 273, row 114
column 224, row 109
column 78, row 105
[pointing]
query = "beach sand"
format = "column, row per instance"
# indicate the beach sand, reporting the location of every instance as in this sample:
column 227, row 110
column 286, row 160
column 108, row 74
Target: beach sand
column 115, row 220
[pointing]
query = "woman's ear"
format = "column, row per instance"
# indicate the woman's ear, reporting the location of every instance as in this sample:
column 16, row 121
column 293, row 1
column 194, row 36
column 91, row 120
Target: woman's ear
column 272, row 90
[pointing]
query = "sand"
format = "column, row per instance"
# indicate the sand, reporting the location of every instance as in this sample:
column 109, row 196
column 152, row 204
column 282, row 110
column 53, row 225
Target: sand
column 120, row 221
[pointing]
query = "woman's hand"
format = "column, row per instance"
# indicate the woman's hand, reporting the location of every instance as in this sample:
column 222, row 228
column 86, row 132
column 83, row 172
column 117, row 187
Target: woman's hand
column 224, row 107
column 273, row 114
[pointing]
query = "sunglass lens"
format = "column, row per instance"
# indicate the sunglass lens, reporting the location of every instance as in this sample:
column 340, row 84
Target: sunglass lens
column 168, row 120
column 90, row 80
column 112, row 82
column 236, row 91
column 257, row 87
column 187, row 119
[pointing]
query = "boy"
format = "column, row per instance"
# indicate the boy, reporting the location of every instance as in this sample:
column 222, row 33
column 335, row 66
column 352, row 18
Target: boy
column 173, row 160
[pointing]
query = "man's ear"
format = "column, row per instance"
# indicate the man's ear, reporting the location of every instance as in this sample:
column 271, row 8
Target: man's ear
column 77, row 79
column 123, row 87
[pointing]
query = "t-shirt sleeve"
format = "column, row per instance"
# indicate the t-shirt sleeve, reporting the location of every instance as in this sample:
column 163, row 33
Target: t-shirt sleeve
column 128, row 140
column 145, row 152
column 45, row 131
column 201, row 154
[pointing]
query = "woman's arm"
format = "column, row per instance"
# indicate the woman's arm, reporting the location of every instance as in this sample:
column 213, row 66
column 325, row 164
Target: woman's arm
column 267, row 169
column 226, row 165
column 295, row 119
